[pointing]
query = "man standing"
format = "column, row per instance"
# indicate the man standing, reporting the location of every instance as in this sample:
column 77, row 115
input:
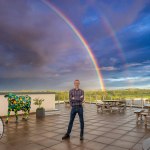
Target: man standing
column 76, row 98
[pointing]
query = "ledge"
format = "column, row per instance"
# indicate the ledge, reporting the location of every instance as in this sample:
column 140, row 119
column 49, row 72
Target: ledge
column 36, row 92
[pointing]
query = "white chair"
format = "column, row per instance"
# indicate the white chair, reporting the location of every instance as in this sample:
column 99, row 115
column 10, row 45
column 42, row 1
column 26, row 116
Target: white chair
column 129, row 102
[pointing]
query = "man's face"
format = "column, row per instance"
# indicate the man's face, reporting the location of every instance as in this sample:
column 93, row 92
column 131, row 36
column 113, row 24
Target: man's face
column 76, row 83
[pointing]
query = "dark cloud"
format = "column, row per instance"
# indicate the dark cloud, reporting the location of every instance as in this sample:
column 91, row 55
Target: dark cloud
column 18, row 32
column 38, row 48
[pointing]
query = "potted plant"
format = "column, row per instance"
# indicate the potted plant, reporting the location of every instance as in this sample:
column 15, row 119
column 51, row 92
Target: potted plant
column 40, row 111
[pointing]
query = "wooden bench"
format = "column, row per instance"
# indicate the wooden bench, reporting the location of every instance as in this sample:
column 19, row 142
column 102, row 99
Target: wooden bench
column 104, row 107
column 146, row 144
column 146, row 118
column 122, row 105
column 99, row 106
column 138, row 114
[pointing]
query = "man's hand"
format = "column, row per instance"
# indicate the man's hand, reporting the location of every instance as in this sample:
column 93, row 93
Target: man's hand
column 81, row 96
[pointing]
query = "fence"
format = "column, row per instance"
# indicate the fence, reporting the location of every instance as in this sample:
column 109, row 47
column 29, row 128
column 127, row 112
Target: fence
column 134, row 102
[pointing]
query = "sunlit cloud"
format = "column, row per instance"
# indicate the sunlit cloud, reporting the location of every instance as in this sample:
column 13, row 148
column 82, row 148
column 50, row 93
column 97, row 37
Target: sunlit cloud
column 109, row 68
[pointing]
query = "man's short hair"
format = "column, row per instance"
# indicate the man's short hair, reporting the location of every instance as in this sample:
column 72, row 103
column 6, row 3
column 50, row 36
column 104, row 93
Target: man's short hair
column 76, row 80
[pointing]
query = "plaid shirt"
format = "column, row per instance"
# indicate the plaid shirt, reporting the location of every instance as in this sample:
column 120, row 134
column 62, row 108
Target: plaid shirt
column 77, row 101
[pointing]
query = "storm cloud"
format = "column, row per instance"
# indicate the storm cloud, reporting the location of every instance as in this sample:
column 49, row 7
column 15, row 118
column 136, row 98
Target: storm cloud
column 38, row 50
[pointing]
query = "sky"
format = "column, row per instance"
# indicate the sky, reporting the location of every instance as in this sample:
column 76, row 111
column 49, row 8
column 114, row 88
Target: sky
column 39, row 50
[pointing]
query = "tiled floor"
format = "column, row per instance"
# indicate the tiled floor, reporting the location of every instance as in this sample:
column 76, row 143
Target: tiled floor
column 107, row 131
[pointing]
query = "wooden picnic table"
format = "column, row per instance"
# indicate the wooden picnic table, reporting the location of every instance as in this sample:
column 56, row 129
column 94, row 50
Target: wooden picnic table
column 112, row 105
column 111, row 102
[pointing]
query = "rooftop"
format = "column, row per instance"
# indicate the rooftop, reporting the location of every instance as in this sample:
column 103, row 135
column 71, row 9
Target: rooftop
column 107, row 131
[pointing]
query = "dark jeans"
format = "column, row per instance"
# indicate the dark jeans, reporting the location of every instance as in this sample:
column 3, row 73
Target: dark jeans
column 75, row 110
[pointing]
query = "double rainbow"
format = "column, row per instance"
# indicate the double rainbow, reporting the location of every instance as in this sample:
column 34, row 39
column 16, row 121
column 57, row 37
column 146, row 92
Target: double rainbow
column 82, row 39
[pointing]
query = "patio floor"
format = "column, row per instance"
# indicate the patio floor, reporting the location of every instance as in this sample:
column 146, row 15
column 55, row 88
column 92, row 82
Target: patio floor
column 108, row 131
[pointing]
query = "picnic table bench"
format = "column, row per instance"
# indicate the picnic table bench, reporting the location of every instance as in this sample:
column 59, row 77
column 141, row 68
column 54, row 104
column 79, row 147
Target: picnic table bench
column 103, row 107
column 111, row 105
column 146, row 118
column 146, row 115
column 138, row 114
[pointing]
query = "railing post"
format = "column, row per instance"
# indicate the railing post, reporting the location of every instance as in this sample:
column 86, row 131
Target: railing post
column 64, row 101
column 142, row 102
column 90, row 99
column 58, row 100
column 96, row 99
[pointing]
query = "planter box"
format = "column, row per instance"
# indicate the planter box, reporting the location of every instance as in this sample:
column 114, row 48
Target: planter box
column 40, row 113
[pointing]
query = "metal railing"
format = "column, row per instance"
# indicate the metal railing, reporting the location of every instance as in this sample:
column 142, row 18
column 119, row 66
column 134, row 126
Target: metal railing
column 133, row 102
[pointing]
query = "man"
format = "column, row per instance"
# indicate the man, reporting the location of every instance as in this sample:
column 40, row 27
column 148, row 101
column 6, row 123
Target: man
column 76, row 98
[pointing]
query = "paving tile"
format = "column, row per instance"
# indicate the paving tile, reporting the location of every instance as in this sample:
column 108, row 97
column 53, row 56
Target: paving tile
column 130, row 138
column 63, row 146
column 36, row 138
column 97, row 132
column 110, row 147
column 81, row 148
column 49, row 134
column 48, row 142
column 119, row 131
column 125, row 128
column 32, row 146
column 104, row 140
column 62, row 130
column 5, row 147
column 104, row 129
column 94, row 145
column 92, row 127
column 136, row 134
column 137, row 147
column 75, row 133
column 76, row 141
column 112, row 135
column 90, row 136
column 58, row 137
column 123, row 144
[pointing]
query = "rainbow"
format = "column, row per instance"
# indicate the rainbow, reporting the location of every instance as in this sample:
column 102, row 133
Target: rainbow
column 82, row 39
column 110, row 30
column 108, row 27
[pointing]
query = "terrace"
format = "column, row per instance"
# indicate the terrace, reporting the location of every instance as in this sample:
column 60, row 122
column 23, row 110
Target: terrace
column 103, row 131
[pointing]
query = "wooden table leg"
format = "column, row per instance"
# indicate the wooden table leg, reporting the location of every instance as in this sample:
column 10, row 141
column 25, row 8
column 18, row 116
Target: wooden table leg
column 149, row 111
column 145, row 120
column 141, row 117
column 137, row 117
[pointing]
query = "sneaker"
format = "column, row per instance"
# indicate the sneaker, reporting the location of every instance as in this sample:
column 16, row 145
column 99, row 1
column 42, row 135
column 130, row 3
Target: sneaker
column 81, row 138
column 66, row 136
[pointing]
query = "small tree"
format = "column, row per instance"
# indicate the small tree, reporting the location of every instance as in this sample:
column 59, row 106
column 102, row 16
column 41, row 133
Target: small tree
column 38, row 101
